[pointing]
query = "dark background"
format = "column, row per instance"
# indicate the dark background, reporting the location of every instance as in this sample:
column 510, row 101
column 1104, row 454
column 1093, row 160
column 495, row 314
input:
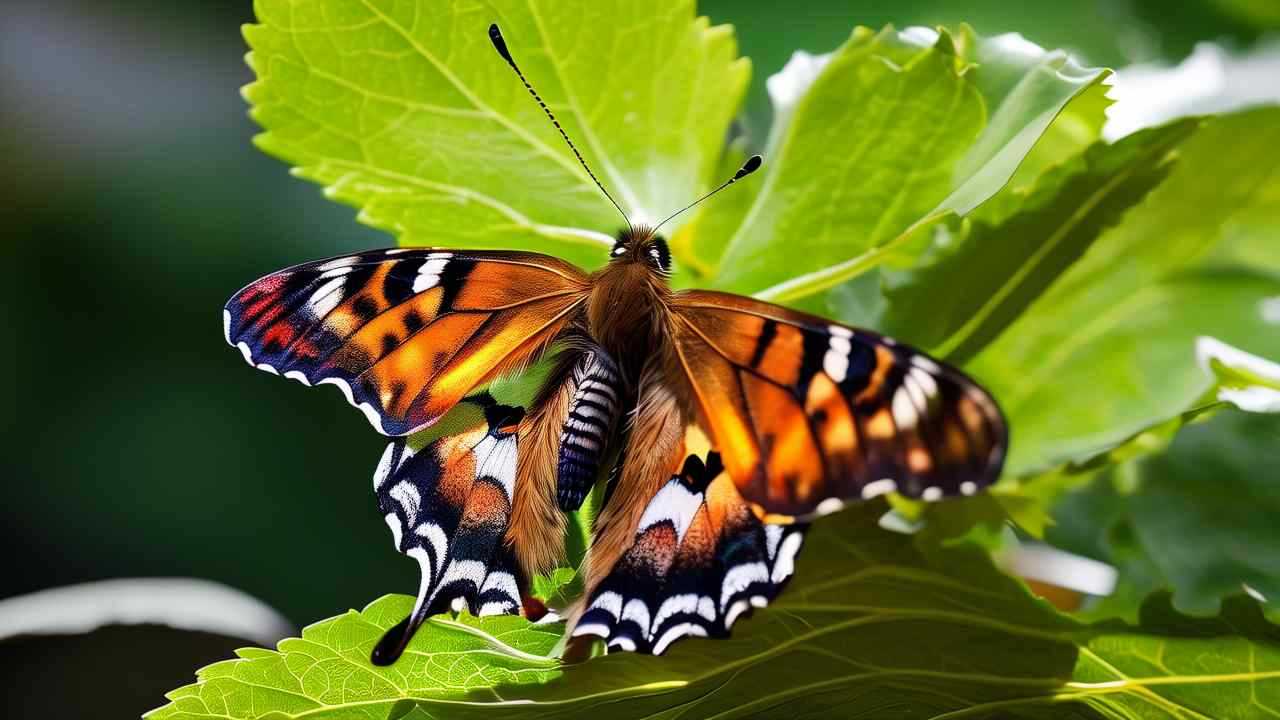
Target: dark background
column 137, row 442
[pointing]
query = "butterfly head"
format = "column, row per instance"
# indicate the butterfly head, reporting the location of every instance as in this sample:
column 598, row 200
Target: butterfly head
column 642, row 245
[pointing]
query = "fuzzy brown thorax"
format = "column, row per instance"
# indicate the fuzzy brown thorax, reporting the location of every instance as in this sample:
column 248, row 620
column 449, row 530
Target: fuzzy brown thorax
column 627, row 311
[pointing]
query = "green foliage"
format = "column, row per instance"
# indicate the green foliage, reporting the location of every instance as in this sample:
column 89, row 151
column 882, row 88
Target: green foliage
column 874, row 620
column 405, row 110
column 925, row 124
column 326, row 672
column 946, row 187
column 993, row 271
column 1108, row 349
column 1140, row 516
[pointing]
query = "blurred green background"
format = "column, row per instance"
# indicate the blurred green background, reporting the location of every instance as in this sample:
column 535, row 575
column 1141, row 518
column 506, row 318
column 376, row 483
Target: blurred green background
column 138, row 443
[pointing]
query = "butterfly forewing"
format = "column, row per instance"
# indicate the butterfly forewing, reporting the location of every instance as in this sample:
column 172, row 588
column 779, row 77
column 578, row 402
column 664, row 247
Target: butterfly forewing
column 404, row 333
column 807, row 412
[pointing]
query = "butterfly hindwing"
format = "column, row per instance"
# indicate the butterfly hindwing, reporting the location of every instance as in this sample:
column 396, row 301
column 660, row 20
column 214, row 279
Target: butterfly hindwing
column 448, row 505
column 700, row 559
column 404, row 333
column 807, row 412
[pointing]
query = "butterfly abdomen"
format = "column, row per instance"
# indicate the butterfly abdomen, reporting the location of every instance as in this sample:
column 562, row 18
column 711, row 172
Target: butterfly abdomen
column 592, row 415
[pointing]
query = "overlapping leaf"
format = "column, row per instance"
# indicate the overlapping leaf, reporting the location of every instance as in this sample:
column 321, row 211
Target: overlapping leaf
column 991, row 272
column 326, row 672
column 904, row 625
column 1142, row 516
column 404, row 110
column 1109, row 348
column 892, row 130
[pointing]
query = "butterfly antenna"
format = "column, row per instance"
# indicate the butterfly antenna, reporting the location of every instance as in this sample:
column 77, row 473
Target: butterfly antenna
column 751, row 165
column 500, row 45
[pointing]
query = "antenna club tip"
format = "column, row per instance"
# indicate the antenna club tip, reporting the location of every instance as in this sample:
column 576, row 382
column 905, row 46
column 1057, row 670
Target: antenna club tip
column 499, row 44
column 751, row 165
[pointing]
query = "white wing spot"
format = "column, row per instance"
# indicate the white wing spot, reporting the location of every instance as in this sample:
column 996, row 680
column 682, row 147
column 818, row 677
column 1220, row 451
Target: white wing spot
column 435, row 536
column 739, row 578
column 836, row 362
column 675, row 503
column 610, row 602
column 684, row 603
column 735, row 610
column 932, row 494
column 429, row 274
column 925, row 364
column 297, row 375
column 968, row 487
column 905, row 415
column 623, row 643
column 325, row 298
column 591, row 629
column 384, row 467
column 341, row 262
column 407, row 495
column 785, row 565
column 503, row 582
column 637, row 612
column 924, row 379
column 369, row 411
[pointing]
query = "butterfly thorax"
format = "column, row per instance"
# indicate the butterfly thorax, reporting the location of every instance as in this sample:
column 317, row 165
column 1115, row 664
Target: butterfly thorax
column 628, row 308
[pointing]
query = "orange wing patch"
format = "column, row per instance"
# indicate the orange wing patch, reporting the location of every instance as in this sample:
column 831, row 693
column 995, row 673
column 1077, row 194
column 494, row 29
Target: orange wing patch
column 804, row 411
column 405, row 333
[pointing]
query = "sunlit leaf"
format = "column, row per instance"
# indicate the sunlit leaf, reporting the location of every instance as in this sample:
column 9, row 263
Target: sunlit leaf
column 327, row 673
column 891, row 130
column 1110, row 348
column 992, row 272
column 404, row 110
column 874, row 621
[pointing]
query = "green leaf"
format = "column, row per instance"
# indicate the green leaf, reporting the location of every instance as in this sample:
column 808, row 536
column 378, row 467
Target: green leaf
column 896, row 130
column 1226, row 667
column 1078, row 126
column 1109, row 349
column 558, row 587
column 874, row 620
column 992, row 272
column 868, row 151
column 405, row 111
column 326, row 672
column 1238, row 381
column 1174, row 520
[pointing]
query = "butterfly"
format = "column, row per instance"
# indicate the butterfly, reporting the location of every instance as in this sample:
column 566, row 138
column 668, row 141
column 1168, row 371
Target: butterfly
column 713, row 426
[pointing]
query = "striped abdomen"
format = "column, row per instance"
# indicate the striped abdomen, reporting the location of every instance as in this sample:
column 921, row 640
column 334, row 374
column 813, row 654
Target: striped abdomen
column 592, row 413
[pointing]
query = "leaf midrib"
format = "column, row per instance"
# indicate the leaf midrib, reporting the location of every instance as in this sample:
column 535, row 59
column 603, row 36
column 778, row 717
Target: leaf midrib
column 994, row 300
